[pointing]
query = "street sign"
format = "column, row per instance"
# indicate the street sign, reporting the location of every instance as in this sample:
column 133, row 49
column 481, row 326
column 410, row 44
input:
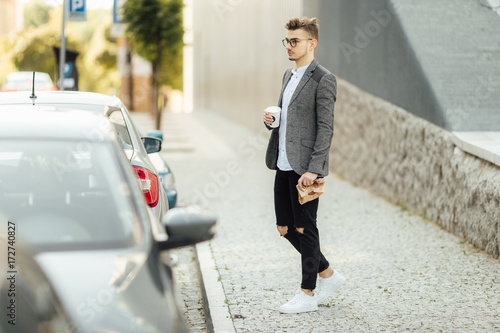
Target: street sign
column 118, row 11
column 77, row 10
column 118, row 27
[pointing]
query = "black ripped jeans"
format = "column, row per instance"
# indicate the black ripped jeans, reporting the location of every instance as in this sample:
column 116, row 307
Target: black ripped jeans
column 290, row 213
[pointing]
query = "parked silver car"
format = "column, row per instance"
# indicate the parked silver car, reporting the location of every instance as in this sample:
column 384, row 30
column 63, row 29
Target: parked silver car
column 32, row 305
column 67, row 192
column 135, row 147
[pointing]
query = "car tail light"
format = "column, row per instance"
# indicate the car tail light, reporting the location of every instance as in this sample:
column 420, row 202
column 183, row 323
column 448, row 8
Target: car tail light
column 148, row 183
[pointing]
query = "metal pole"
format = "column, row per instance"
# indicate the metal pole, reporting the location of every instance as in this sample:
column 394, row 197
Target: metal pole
column 62, row 50
column 130, row 75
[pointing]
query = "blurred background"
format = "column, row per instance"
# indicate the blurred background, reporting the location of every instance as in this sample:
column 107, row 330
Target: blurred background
column 428, row 57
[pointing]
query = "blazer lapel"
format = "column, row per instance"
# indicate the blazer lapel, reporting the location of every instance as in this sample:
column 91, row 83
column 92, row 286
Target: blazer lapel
column 307, row 75
column 288, row 75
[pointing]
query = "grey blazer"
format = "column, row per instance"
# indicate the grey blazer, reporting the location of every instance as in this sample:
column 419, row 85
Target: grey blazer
column 309, row 129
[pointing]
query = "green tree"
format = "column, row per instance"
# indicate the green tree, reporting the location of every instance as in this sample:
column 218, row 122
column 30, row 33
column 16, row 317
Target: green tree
column 172, row 68
column 155, row 31
column 31, row 50
column 36, row 13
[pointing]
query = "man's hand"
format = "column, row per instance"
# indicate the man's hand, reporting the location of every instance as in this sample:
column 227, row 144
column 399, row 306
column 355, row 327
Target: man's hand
column 268, row 119
column 307, row 179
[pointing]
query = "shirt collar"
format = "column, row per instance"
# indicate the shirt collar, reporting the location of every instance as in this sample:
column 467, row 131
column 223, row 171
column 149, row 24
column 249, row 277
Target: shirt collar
column 300, row 70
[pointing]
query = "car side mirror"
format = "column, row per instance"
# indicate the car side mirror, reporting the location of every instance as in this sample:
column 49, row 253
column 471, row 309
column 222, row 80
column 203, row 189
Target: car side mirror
column 187, row 226
column 152, row 145
column 155, row 134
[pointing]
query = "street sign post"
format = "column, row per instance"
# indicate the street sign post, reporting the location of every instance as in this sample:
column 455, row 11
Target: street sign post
column 62, row 50
column 77, row 10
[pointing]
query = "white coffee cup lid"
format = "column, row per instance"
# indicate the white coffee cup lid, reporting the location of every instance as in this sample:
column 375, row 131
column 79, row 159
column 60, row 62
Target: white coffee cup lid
column 273, row 109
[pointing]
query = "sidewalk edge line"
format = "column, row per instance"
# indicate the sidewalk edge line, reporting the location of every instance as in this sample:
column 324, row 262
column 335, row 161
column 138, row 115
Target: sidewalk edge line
column 216, row 310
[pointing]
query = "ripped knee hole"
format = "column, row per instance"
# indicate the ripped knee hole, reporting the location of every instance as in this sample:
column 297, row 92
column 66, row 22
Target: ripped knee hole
column 283, row 230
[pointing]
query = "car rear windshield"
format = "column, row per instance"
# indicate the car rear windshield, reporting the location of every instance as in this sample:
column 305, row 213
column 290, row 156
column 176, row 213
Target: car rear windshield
column 67, row 195
column 115, row 117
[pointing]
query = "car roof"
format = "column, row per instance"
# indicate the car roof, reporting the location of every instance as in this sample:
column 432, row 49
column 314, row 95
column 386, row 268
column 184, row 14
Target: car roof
column 60, row 97
column 44, row 122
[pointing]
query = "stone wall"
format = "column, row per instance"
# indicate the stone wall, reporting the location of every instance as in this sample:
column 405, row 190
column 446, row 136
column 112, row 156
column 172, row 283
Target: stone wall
column 418, row 55
column 412, row 162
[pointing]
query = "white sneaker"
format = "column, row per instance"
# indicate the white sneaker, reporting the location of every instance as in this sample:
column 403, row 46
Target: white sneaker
column 327, row 286
column 301, row 302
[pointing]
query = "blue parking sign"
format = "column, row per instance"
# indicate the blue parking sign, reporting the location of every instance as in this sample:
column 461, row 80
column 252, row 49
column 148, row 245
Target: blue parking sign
column 118, row 11
column 77, row 10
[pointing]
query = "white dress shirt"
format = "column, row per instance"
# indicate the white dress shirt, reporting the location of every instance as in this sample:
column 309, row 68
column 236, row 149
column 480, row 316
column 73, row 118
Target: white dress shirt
column 297, row 74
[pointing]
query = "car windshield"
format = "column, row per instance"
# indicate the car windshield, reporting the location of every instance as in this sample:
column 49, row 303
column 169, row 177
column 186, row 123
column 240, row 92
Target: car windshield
column 66, row 195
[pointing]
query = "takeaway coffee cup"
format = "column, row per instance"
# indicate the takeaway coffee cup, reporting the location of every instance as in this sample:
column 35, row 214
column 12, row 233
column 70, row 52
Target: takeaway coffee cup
column 275, row 112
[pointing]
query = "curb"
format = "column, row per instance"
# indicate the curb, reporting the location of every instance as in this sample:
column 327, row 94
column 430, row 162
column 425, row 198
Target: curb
column 217, row 315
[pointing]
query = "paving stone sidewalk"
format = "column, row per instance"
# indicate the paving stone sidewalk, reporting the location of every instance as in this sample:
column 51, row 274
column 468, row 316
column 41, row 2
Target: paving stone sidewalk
column 188, row 287
column 404, row 273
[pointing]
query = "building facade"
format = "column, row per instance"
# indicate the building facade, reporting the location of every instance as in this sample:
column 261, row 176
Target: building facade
column 10, row 16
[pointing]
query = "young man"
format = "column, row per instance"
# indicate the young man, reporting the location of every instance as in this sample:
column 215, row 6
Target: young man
column 299, row 152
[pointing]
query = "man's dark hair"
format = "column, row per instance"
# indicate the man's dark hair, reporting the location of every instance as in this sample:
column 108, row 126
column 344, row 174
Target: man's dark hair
column 311, row 26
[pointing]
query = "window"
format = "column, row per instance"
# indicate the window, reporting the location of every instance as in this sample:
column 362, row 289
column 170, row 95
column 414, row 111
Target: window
column 116, row 118
column 69, row 194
